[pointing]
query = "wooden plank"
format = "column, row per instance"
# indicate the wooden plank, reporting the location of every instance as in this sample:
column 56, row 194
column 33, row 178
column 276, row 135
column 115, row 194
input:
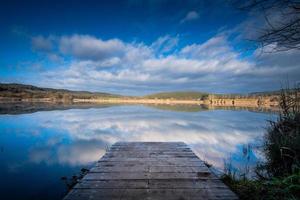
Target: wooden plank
column 153, row 159
column 114, row 184
column 186, row 183
column 155, row 194
column 179, row 169
column 150, row 183
column 116, row 176
column 150, row 170
column 147, row 168
column 148, row 175
column 146, row 154
column 150, row 163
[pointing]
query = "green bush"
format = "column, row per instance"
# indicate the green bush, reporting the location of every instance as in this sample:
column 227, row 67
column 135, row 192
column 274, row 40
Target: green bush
column 279, row 176
column 274, row 189
column 282, row 141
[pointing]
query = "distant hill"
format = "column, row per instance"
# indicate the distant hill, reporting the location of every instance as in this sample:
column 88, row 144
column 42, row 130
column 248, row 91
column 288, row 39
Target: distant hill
column 269, row 93
column 30, row 92
column 16, row 92
column 189, row 95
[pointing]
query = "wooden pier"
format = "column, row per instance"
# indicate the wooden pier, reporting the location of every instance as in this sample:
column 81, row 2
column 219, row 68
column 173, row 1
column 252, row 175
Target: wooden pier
column 150, row 170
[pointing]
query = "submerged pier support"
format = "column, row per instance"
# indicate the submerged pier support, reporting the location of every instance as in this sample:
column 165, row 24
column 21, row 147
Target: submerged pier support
column 150, row 170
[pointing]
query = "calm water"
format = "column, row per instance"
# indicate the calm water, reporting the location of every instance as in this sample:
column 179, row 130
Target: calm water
column 37, row 149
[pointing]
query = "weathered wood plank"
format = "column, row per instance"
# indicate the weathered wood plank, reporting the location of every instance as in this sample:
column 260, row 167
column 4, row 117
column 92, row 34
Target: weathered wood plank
column 153, row 159
column 148, row 175
column 150, row 183
column 114, row 184
column 147, row 168
column 150, row 163
column 150, row 170
column 178, row 169
column 155, row 194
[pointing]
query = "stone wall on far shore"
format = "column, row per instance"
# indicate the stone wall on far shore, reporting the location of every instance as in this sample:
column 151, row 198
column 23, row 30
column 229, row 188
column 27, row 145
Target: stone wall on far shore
column 244, row 102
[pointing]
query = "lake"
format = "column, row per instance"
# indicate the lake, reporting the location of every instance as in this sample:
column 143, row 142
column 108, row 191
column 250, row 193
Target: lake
column 38, row 148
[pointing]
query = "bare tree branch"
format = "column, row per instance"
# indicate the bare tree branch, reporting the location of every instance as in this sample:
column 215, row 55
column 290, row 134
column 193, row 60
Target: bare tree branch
column 282, row 22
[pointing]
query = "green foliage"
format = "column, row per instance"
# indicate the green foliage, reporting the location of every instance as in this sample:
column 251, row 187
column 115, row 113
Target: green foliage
column 279, row 176
column 285, row 188
column 282, row 141
column 21, row 91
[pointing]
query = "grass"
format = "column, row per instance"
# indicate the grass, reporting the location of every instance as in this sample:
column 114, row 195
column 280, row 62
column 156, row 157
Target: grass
column 279, row 176
column 283, row 188
column 282, row 141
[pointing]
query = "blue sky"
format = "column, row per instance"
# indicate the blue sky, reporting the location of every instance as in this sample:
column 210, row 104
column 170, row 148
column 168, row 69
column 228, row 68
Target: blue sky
column 138, row 47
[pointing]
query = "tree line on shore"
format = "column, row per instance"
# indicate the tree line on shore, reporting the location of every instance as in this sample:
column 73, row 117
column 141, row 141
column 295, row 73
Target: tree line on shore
column 19, row 91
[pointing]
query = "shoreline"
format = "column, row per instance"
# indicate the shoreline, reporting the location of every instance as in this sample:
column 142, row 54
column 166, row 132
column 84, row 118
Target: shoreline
column 251, row 103
column 32, row 105
column 140, row 101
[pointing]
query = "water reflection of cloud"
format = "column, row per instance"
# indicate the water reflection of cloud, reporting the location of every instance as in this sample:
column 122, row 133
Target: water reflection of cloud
column 213, row 135
column 79, row 152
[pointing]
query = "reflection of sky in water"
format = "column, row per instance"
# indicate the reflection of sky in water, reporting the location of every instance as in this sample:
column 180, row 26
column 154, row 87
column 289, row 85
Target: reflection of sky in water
column 37, row 149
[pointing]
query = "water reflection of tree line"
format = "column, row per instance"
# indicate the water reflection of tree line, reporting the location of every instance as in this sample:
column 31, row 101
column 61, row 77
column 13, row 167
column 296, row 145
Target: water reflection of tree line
column 29, row 107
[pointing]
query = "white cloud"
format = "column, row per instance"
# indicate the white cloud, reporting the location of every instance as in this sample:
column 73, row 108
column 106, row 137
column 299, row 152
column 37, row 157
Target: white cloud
column 91, row 48
column 192, row 15
column 213, row 48
column 165, row 44
column 117, row 66
column 41, row 43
